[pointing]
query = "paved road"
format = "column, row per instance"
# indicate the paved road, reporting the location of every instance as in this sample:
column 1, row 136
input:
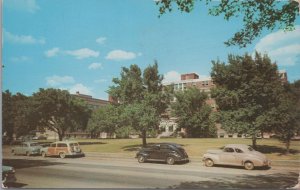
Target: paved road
column 92, row 172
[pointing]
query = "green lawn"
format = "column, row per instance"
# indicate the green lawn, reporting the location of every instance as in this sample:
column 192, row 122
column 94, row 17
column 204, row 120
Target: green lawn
column 273, row 148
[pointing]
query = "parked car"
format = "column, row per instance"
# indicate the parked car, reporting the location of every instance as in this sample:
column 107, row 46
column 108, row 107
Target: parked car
column 167, row 152
column 27, row 148
column 8, row 176
column 62, row 149
column 236, row 155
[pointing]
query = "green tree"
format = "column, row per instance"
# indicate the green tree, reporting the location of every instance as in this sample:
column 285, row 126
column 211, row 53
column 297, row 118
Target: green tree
column 16, row 110
column 142, row 98
column 287, row 116
column 246, row 93
column 193, row 113
column 59, row 111
column 105, row 119
column 256, row 15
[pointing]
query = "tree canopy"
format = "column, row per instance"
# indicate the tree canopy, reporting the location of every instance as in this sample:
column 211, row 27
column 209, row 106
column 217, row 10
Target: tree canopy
column 141, row 97
column 193, row 113
column 256, row 15
column 247, row 93
column 59, row 111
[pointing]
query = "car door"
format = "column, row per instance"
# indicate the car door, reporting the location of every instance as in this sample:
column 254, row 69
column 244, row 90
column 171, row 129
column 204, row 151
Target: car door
column 61, row 147
column 24, row 147
column 51, row 149
column 227, row 156
column 239, row 156
column 154, row 152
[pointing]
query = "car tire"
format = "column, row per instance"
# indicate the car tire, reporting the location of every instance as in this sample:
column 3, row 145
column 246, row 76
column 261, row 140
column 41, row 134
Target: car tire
column 170, row 160
column 62, row 155
column 249, row 165
column 141, row 159
column 27, row 153
column 209, row 163
column 44, row 154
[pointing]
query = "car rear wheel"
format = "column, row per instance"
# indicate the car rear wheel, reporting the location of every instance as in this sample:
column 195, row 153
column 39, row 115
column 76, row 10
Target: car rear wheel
column 141, row 159
column 170, row 160
column 62, row 155
column 209, row 163
column 44, row 154
column 249, row 166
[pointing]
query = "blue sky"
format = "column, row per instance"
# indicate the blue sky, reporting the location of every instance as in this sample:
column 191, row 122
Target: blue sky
column 80, row 45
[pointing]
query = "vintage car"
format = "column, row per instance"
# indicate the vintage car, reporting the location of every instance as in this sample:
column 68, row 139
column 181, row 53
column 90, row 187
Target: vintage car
column 236, row 155
column 26, row 148
column 166, row 152
column 8, row 176
column 62, row 149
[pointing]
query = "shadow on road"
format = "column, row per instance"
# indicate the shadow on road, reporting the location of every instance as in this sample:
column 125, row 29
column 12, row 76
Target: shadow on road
column 139, row 146
column 23, row 163
column 272, row 181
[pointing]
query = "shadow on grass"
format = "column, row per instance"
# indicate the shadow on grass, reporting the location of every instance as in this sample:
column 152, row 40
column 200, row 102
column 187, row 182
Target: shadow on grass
column 23, row 163
column 274, row 149
column 273, row 181
column 90, row 143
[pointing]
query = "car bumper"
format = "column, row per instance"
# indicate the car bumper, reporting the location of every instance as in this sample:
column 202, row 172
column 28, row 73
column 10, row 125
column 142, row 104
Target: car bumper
column 76, row 154
column 182, row 159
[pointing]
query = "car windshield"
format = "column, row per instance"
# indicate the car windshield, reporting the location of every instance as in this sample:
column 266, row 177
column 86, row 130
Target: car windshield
column 73, row 144
column 34, row 144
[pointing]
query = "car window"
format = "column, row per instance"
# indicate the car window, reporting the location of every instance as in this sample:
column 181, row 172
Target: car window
column 74, row 144
column 53, row 145
column 163, row 146
column 62, row 145
column 34, row 144
column 227, row 149
column 238, row 150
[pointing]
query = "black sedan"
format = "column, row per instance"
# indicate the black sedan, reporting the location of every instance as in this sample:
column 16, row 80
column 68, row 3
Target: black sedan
column 167, row 152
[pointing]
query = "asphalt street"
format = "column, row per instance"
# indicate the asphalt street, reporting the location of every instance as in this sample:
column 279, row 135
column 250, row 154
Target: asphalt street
column 97, row 172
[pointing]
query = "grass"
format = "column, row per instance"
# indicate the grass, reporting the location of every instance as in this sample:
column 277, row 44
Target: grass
column 273, row 148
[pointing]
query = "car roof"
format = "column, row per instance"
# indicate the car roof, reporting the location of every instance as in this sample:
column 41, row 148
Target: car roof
column 237, row 145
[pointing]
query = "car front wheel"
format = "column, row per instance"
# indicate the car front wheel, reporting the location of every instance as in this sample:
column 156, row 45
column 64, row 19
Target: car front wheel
column 209, row 163
column 62, row 155
column 170, row 160
column 141, row 159
column 249, row 166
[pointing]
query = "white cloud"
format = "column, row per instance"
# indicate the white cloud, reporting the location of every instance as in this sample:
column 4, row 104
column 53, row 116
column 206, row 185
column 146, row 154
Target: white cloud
column 101, row 40
column 83, row 53
column 58, row 80
column 95, row 66
column 20, row 59
column 52, row 52
column 81, row 89
column 282, row 47
column 22, row 39
column 22, row 5
column 171, row 76
column 119, row 55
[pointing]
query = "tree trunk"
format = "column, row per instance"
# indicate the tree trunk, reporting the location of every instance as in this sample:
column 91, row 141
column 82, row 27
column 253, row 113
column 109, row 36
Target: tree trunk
column 254, row 142
column 144, row 138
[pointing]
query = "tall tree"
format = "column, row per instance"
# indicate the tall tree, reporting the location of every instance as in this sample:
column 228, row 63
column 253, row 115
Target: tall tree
column 142, row 98
column 105, row 119
column 7, row 115
column 246, row 93
column 193, row 113
column 256, row 15
column 59, row 111
column 287, row 116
